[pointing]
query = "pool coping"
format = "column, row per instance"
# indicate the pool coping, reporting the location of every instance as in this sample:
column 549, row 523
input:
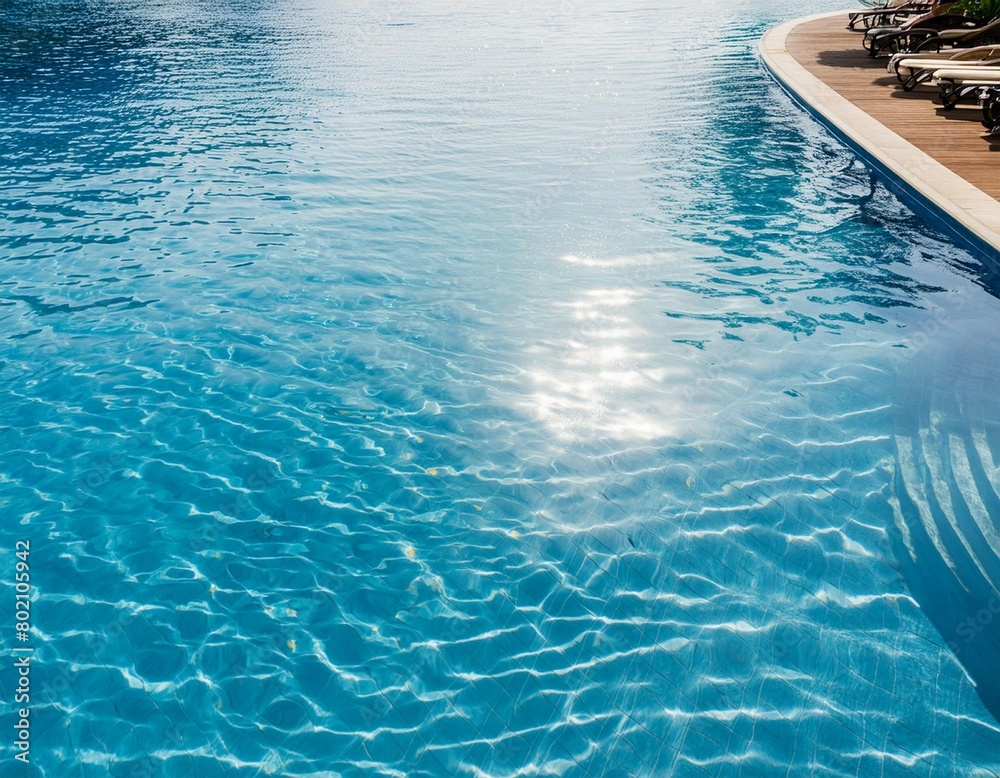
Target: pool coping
column 934, row 190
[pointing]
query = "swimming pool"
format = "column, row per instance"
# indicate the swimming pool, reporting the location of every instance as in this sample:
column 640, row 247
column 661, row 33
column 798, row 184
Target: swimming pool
column 467, row 389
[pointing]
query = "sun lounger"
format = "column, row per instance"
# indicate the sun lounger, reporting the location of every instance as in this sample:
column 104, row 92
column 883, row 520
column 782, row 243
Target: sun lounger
column 959, row 83
column 891, row 13
column 914, row 69
column 934, row 11
column 955, row 73
column 957, row 38
column 976, row 52
column 878, row 40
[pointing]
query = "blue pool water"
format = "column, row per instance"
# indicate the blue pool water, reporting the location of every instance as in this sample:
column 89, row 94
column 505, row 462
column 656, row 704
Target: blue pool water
column 480, row 389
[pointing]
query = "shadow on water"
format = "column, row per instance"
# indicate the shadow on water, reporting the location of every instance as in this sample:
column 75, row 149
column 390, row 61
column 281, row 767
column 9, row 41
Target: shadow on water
column 947, row 484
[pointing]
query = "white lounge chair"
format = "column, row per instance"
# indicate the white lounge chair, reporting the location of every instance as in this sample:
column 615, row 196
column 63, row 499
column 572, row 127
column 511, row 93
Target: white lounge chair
column 957, row 83
column 914, row 69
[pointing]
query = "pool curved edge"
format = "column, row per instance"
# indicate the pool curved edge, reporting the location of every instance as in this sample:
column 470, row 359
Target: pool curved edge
column 933, row 190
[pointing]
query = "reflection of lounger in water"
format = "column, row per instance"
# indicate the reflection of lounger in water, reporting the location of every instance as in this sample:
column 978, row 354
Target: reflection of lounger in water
column 948, row 513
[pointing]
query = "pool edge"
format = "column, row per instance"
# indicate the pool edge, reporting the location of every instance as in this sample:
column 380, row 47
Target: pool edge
column 933, row 190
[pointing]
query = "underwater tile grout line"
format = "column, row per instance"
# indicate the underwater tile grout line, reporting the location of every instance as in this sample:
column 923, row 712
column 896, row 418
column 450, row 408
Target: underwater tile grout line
column 935, row 192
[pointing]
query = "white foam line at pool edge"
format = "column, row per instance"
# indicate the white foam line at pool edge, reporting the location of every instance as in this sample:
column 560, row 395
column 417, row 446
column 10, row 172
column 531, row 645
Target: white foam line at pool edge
column 953, row 195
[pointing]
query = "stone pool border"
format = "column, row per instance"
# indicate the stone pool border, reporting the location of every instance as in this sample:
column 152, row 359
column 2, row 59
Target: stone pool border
column 936, row 192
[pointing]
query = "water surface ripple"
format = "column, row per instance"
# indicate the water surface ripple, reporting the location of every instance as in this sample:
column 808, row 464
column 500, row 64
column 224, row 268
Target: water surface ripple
column 480, row 389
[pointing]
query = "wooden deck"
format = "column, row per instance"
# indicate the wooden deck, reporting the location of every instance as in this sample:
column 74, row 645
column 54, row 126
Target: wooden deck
column 834, row 55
